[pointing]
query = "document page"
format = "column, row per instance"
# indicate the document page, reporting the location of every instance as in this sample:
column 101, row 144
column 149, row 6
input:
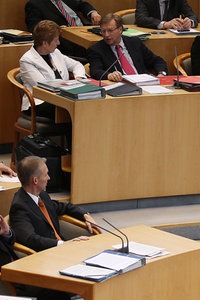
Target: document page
column 7, row 178
column 112, row 261
column 142, row 249
column 156, row 89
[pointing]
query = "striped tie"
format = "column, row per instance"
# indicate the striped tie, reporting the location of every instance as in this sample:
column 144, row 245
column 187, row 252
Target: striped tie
column 71, row 21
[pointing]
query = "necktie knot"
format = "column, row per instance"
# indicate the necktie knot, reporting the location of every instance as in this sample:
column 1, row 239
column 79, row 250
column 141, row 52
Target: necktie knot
column 117, row 47
column 40, row 203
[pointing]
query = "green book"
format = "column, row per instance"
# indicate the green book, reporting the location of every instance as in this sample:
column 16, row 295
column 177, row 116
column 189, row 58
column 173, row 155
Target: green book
column 83, row 91
column 135, row 32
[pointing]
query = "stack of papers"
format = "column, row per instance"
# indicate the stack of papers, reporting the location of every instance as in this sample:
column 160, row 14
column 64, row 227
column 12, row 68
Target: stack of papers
column 156, row 89
column 55, row 84
column 184, row 32
column 142, row 79
column 147, row 251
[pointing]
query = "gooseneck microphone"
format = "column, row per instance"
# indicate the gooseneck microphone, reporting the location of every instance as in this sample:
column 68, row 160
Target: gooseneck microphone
column 126, row 248
column 123, row 249
column 106, row 71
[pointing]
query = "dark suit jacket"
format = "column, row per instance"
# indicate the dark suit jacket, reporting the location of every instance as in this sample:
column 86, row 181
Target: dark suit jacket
column 38, row 10
column 6, row 251
column 195, row 56
column 148, row 12
column 31, row 227
column 101, row 57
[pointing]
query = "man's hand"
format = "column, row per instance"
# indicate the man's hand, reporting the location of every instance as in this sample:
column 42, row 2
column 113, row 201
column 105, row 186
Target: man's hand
column 115, row 76
column 7, row 170
column 95, row 18
column 89, row 226
column 4, row 227
column 186, row 24
column 175, row 23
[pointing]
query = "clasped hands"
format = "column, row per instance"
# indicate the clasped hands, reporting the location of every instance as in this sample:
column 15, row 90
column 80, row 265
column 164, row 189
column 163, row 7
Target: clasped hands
column 178, row 24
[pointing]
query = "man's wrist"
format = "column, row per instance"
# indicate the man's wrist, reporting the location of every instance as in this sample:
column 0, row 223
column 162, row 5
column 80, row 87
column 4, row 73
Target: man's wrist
column 161, row 25
column 162, row 73
column 192, row 23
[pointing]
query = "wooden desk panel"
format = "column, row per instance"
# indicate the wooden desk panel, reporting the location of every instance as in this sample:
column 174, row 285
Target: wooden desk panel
column 175, row 276
column 161, row 44
column 9, row 59
column 133, row 147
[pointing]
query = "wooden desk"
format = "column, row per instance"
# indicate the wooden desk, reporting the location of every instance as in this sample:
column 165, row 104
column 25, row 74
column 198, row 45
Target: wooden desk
column 6, row 196
column 133, row 147
column 175, row 276
column 161, row 44
column 9, row 59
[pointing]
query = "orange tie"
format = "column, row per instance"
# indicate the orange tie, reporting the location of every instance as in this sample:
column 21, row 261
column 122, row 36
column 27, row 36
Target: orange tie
column 46, row 214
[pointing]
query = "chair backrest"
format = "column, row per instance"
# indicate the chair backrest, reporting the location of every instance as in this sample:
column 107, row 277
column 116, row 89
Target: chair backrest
column 127, row 15
column 87, row 69
column 183, row 63
column 15, row 78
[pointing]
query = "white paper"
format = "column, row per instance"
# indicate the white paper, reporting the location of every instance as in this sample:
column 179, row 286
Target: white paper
column 112, row 86
column 142, row 79
column 7, row 178
column 12, row 31
column 191, row 31
column 112, row 261
column 156, row 89
column 142, row 249
column 2, row 297
column 87, row 271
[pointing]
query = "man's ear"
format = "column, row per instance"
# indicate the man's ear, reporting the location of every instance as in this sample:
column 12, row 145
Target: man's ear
column 35, row 180
column 121, row 29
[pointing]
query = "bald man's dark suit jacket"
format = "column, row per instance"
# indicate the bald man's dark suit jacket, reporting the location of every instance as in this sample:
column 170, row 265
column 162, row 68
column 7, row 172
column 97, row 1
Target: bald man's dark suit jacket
column 101, row 57
column 148, row 12
column 38, row 10
column 31, row 227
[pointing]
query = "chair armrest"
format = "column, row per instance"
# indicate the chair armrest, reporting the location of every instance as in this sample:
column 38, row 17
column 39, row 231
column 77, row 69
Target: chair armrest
column 23, row 249
column 76, row 222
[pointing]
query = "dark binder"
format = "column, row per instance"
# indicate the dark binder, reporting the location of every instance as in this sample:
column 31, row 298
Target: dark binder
column 125, row 90
column 190, row 87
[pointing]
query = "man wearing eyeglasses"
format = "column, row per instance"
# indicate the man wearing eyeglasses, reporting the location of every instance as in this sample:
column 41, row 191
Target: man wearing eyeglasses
column 129, row 53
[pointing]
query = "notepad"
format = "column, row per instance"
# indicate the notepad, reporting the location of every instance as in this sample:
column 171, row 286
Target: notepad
column 184, row 32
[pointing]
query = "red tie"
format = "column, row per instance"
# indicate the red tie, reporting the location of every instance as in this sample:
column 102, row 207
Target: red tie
column 71, row 21
column 126, row 66
column 46, row 214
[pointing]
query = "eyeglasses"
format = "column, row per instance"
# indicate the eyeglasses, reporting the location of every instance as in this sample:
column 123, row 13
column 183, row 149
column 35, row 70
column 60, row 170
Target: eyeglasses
column 103, row 31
